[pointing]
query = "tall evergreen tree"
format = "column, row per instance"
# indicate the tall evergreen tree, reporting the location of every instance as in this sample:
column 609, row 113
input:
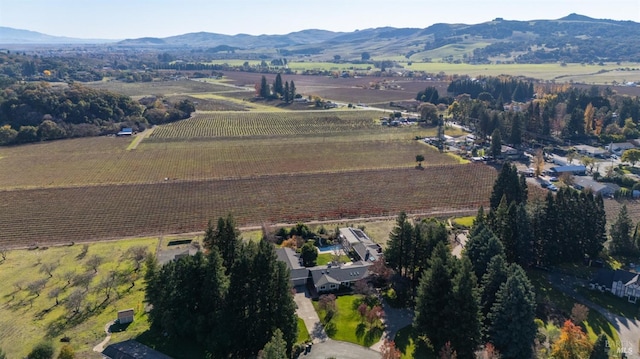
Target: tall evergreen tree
column 512, row 330
column 600, row 348
column 496, row 143
column 510, row 185
column 489, row 286
column 286, row 93
column 620, row 232
column 481, row 247
column 278, row 87
column 276, row 348
column 292, row 90
column 225, row 237
column 400, row 240
column 465, row 338
column 523, row 236
column 264, row 90
column 433, row 309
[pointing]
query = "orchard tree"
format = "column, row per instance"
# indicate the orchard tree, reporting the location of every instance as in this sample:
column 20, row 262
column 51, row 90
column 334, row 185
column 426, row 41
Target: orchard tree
column 419, row 159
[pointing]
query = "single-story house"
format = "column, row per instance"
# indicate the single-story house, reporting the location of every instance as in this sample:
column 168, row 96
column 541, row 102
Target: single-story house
column 591, row 151
column 509, row 152
column 331, row 278
column 619, row 282
column 601, row 188
column 298, row 273
column 131, row 349
column 620, row 147
column 574, row 170
column 127, row 131
column 125, row 316
column 356, row 240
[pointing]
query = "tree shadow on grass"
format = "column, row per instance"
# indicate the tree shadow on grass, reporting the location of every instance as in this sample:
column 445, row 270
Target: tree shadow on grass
column 117, row 327
column 360, row 330
column 373, row 335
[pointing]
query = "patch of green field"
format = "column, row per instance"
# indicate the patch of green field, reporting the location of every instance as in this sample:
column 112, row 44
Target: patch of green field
column 464, row 221
column 303, row 333
column 325, row 258
column 254, row 235
column 163, row 88
column 27, row 317
column 346, row 325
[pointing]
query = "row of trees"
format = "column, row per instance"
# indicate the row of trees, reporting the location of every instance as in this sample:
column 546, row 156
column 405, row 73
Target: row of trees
column 277, row 90
column 231, row 301
column 567, row 227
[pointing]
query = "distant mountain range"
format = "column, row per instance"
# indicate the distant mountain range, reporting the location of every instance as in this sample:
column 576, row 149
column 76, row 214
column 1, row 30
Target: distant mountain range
column 574, row 38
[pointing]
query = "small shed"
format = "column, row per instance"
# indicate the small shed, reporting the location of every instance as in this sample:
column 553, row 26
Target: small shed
column 125, row 316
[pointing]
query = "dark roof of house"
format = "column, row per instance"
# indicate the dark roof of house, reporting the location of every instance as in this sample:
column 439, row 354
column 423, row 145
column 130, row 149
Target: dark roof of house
column 560, row 169
column 289, row 257
column 337, row 275
column 606, row 277
column 131, row 349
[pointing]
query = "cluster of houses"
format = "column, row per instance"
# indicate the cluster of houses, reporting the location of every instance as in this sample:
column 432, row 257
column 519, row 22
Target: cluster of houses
column 334, row 276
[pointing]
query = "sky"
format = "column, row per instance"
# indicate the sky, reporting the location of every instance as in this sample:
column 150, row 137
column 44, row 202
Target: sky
column 122, row 19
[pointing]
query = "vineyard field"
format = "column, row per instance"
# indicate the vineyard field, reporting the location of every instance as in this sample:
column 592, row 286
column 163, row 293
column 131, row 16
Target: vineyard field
column 233, row 124
column 105, row 160
column 139, row 89
column 62, row 215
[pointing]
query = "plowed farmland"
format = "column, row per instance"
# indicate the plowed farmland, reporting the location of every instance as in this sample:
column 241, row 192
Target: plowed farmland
column 111, row 211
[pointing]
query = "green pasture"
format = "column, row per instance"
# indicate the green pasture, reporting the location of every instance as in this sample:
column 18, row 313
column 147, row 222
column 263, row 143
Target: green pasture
column 27, row 317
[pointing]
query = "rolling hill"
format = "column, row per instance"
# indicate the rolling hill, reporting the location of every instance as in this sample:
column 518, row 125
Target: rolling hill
column 574, row 38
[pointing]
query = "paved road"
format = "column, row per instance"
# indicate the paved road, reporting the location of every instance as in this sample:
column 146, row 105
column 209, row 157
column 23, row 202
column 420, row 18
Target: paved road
column 628, row 329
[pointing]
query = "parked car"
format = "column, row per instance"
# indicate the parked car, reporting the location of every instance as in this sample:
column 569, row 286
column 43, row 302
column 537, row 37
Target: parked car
column 552, row 187
column 544, row 184
column 553, row 179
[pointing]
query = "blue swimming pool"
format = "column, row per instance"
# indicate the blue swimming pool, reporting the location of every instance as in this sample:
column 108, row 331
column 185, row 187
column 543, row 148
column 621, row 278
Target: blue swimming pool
column 332, row 248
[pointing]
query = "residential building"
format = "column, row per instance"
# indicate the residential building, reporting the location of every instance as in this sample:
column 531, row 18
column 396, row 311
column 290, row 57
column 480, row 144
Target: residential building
column 619, row 282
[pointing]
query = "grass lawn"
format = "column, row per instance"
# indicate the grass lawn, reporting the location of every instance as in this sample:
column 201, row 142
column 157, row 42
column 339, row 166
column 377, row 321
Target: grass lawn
column 346, row 325
column 27, row 317
column 407, row 342
column 325, row 258
column 545, row 293
column 303, row 333
column 464, row 221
